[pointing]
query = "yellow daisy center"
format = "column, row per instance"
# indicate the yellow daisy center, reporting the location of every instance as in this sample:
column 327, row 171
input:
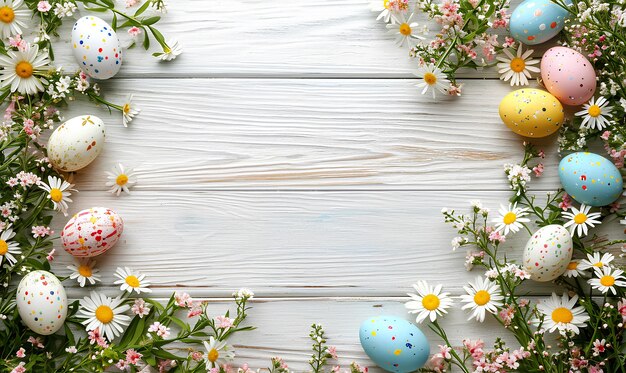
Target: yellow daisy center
column 430, row 78
column 4, row 247
column 572, row 266
column 386, row 4
column 405, row 29
column 599, row 264
column 580, row 218
column 132, row 281
column 431, row 302
column 24, row 69
column 126, row 108
column 509, row 218
column 56, row 195
column 607, row 280
column 7, row 15
column 482, row 297
column 562, row 315
column 84, row 270
column 594, row 111
column 213, row 355
column 517, row 64
column 104, row 314
column 121, row 180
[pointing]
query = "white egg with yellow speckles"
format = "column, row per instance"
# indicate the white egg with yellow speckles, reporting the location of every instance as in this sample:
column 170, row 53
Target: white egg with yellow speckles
column 76, row 143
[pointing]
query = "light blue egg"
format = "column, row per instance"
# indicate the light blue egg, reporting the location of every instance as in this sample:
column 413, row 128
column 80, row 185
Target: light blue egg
column 590, row 179
column 394, row 344
column 537, row 21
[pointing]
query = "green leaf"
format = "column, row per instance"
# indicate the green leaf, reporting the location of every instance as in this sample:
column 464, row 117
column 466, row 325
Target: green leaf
column 114, row 22
column 146, row 41
column 109, row 3
column 151, row 20
column 142, row 8
column 97, row 9
column 165, row 355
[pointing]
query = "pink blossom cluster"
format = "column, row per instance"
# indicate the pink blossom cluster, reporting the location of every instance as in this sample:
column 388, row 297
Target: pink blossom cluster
column 24, row 179
column 398, row 5
column 132, row 358
column 159, row 329
column 40, row 231
column 95, row 337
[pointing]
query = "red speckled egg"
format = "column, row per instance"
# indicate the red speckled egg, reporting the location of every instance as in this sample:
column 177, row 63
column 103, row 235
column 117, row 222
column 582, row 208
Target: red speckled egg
column 568, row 75
column 91, row 232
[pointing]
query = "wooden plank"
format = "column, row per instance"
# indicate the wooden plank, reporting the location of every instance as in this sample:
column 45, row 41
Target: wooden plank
column 309, row 134
column 290, row 243
column 330, row 38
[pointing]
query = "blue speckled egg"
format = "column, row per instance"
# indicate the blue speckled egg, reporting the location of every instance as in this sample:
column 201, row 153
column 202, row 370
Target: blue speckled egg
column 394, row 344
column 590, row 179
column 537, row 21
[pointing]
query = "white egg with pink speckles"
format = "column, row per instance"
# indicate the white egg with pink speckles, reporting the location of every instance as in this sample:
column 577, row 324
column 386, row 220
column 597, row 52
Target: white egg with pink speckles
column 41, row 302
column 548, row 252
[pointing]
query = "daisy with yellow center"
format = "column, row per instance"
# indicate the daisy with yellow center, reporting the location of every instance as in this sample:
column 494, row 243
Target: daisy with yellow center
column 573, row 269
column 594, row 113
column 59, row 192
column 130, row 281
column 384, row 9
column 607, row 278
column 104, row 313
column 510, row 219
column 596, row 260
column 579, row 220
column 120, row 179
column 84, row 271
column 218, row 353
column 482, row 296
column 129, row 111
column 429, row 302
column 8, row 248
column 432, row 79
column 20, row 70
column 517, row 67
column 562, row 314
column 405, row 31
column 171, row 50
column 13, row 17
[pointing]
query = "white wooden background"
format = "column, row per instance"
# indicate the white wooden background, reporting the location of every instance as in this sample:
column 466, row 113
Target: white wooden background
column 288, row 151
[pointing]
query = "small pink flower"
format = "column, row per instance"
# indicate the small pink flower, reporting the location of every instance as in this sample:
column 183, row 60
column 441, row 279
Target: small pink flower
column 436, row 363
column 134, row 31
column 130, row 3
column 19, row 368
column 496, row 237
column 566, row 202
column 444, row 352
column 122, row 365
column 614, row 207
column 538, row 170
column 132, row 356
column 224, row 322
column 50, row 256
column 332, row 351
column 159, row 329
column 194, row 311
column 506, row 314
column 605, row 135
column 183, row 299
column 43, row 6
column 197, row 356
column 139, row 308
column 35, row 342
column 595, row 369
column 523, row 302
column 599, row 346
column 164, row 365
column 41, row 231
column 21, row 352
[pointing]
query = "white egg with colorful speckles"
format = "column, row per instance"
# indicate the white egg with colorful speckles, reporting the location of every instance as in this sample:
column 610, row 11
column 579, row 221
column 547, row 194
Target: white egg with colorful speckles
column 96, row 47
column 41, row 302
column 92, row 232
column 548, row 252
column 76, row 143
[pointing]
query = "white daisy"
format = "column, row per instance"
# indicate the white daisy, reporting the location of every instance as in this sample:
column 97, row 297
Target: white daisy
column 432, row 78
column 517, row 67
column 218, row 352
column 596, row 260
column 594, row 113
column 573, row 269
column 104, row 313
column 129, row 111
column 131, row 280
column 121, row 179
column 511, row 219
column 13, row 18
column 578, row 220
column 405, row 31
column 8, row 249
column 59, row 192
column 173, row 50
column 606, row 279
column 428, row 302
column 20, row 70
column 84, row 271
column 482, row 295
column 560, row 313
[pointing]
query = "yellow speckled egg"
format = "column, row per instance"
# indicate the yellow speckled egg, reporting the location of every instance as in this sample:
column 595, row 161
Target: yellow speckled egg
column 531, row 112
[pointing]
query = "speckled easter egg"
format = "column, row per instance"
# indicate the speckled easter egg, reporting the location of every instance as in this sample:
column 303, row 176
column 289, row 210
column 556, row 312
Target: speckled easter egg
column 548, row 252
column 590, row 179
column 96, row 47
column 76, row 143
column 41, row 302
column 531, row 112
column 537, row 21
column 92, row 232
column 394, row 344
column 568, row 75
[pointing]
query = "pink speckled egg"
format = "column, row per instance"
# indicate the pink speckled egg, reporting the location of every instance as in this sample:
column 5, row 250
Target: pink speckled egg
column 568, row 75
column 92, row 232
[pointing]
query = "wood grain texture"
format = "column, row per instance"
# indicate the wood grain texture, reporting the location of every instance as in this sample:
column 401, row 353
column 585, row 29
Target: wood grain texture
column 309, row 134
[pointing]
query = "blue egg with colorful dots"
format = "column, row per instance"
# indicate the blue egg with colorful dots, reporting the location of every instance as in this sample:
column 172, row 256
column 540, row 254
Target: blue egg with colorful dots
column 96, row 47
column 590, row 179
column 537, row 21
column 394, row 344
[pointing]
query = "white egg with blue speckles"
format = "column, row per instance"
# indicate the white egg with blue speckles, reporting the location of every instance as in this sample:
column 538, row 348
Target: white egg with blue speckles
column 96, row 47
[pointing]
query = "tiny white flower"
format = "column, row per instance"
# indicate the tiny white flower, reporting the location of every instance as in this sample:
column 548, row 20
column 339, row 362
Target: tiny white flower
column 429, row 302
column 594, row 113
column 579, row 220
